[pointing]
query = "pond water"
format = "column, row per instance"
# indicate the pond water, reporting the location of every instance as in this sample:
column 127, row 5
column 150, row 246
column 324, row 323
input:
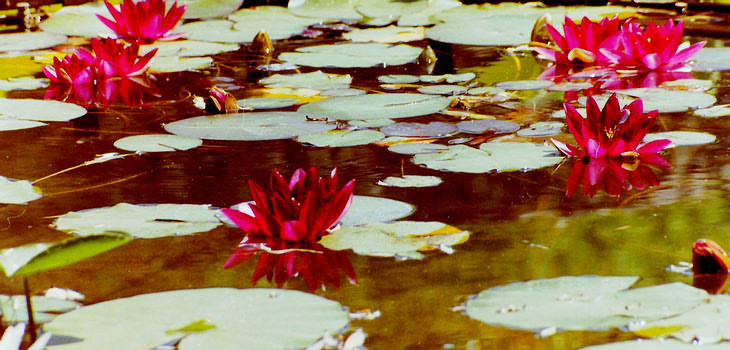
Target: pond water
column 523, row 227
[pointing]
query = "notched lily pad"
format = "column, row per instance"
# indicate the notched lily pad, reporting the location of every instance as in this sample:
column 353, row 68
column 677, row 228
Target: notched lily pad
column 682, row 138
column 142, row 221
column 417, row 148
column 443, row 90
column 45, row 309
column 313, row 80
column 524, row 84
column 367, row 209
column 398, row 79
column 352, row 55
column 389, row 34
column 39, row 110
column 169, row 64
column 342, row 138
column 377, row 106
column 30, row 41
column 17, row 191
column 713, row 112
column 705, row 324
column 267, row 102
column 482, row 126
column 186, row 48
column 157, row 143
column 432, row 129
column 491, row 156
column 663, row 100
column 449, row 78
column 541, row 129
column 411, row 181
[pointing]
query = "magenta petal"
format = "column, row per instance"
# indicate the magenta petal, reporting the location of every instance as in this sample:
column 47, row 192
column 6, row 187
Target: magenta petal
column 685, row 54
column 567, row 149
column 653, row 146
column 546, row 53
column 652, row 61
column 243, row 221
column 595, row 149
column 595, row 170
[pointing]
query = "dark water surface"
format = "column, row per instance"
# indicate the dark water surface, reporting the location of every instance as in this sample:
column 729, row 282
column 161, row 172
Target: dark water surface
column 522, row 225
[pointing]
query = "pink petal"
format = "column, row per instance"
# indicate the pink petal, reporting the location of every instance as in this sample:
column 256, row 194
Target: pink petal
column 653, row 146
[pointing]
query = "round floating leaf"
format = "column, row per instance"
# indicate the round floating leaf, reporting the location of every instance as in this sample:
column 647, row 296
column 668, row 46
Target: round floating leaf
column 682, row 138
column 169, row 64
column 666, row 100
column 248, row 22
column 351, row 55
column 30, row 41
column 389, row 34
column 377, row 106
column 411, row 181
column 432, row 129
column 372, row 123
column 524, row 84
column 24, row 83
column 157, row 143
column 711, row 59
column 654, row 344
column 689, row 84
column 18, row 124
column 400, row 238
column 186, row 48
column 40, row 110
column 343, row 92
column 249, row 126
column 705, row 324
column 398, row 79
column 79, row 21
column 142, row 221
column 209, row 8
column 481, row 126
column 388, row 8
column 325, row 9
column 443, row 90
column 417, row 148
column 713, row 112
column 541, row 129
column 494, row 31
column 313, row 80
column 491, row 156
column 449, row 78
column 342, row 138
column 580, row 303
column 17, row 191
column 424, row 17
column 37, row 257
column 267, row 102
column 45, row 309
column 258, row 318
column 366, row 209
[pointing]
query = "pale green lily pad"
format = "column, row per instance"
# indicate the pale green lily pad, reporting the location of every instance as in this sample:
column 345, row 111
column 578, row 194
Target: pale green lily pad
column 249, row 126
column 689, row 84
column 481, row 126
column 267, row 102
column 169, row 64
column 22, row 83
column 398, row 79
column 38, row 257
column 142, row 221
column 411, row 181
column 443, row 90
column 18, row 124
column 186, row 48
column 342, row 138
column 45, row 309
column 79, row 21
column 351, row 55
column 341, row 91
column 224, row 31
column 682, row 138
column 317, row 80
column 209, row 8
column 432, row 129
column 705, row 324
column 491, row 156
column 711, row 59
column 541, row 129
column 400, row 238
column 372, row 123
column 524, row 84
column 424, row 17
column 713, row 112
column 655, row 344
column 664, row 100
column 389, row 34
column 260, row 318
column 493, row 31
column 562, row 302
column 449, row 78
column 157, row 143
column 417, row 148
column 367, row 209
column 389, row 8
column 331, row 10
column 30, row 41
column 377, row 106
column 39, row 110
column 17, row 191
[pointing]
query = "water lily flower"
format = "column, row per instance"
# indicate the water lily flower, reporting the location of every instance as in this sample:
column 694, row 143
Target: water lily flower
column 118, row 59
column 656, row 48
column 582, row 44
column 144, row 20
column 221, row 101
column 611, row 132
column 614, row 175
column 301, row 210
column 77, row 68
column 709, row 257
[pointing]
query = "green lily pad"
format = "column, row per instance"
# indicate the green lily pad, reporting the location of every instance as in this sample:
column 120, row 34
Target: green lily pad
column 389, row 34
column 424, row 17
column 654, row 344
column 186, row 48
column 30, row 41
column 249, row 126
column 713, row 112
column 663, row 100
column 342, row 91
column 45, row 309
column 169, row 64
column 367, row 209
column 443, row 90
column 37, row 257
column 342, row 138
column 267, row 102
column 142, row 221
column 491, row 156
column 561, row 303
column 17, row 191
column 524, row 84
column 542, row 129
column 225, row 31
column 331, row 10
column 400, row 238
column 493, row 31
column 377, row 106
column 398, row 79
column 18, row 124
column 711, row 59
column 482, row 126
column 352, row 55
column 39, row 110
column 705, row 324
column 157, row 143
column 23, row 83
column 260, row 318
column 209, row 8
column 372, row 123
column 417, row 148
column 449, row 78
column 682, row 138
column 314, row 80
column 79, row 21
column 389, row 8
column 411, row 181
column 432, row 129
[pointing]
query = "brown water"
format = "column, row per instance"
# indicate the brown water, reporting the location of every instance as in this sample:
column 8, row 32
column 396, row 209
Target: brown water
column 523, row 226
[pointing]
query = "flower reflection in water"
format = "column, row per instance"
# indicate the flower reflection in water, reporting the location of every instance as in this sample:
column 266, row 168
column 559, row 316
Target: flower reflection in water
column 710, row 266
column 614, row 175
column 130, row 91
column 281, row 260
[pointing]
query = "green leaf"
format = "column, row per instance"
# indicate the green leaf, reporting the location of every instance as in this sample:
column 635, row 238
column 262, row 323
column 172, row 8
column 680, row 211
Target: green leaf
column 352, row 55
column 37, row 257
column 682, row 138
column 332, row 10
column 79, row 21
column 196, row 326
column 389, row 34
column 30, row 41
column 23, row 83
column 169, row 64
column 449, row 78
column 443, row 90
column 186, row 48
column 713, row 112
column 491, row 156
column 411, row 181
column 377, row 106
column 367, row 209
column 313, row 80
column 17, row 191
column 654, row 344
column 267, row 102
column 209, row 8
column 256, row 318
column 45, row 309
column 142, row 221
column 663, row 100
column 157, row 143
column 707, row 323
column 342, row 138
column 524, row 84
column 39, row 110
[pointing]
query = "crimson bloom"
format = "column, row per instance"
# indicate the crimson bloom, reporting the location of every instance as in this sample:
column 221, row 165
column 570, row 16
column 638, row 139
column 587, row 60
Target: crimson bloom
column 611, row 132
column 220, row 101
column 582, row 44
column 144, row 20
column 710, row 266
column 301, row 210
column 614, row 175
column 118, row 59
column 656, row 48
column 77, row 68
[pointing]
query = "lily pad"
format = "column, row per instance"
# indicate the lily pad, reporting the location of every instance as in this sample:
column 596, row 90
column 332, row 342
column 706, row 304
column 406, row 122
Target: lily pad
column 704, row 324
column 30, row 41
column 713, row 112
column 481, row 126
column 209, row 8
column 17, row 191
column 244, row 24
column 443, row 90
column 665, row 100
column 267, row 102
column 377, row 106
column 24, row 83
column 711, row 59
column 332, row 10
column 38, row 257
column 411, row 181
column 449, row 78
column 524, row 84
column 491, row 156
column 400, row 238
column 157, row 143
column 562, row 303
column 432, row 129
column 352, row 55
column 18, row 124
column 39, row 110
column 654, row 344
column 682, row 138
column 542, row 129
column 493, row 31
column 260, row 318
column 424, row 17
column 367, row 209
column 342, row 91
column 417, row 148
column 142, row 221
column 389, row 34
column 186, row 48
column 249, row 126
column 372, row 123
column 398, row 79
column 79, row 21
column 389, row 8
column 45, row 309
column 169, row 64
column 342, row 138
column 313, row 80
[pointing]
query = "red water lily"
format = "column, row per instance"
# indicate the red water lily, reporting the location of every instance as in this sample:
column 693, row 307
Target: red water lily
column 144, row 20
column 614, row 175
column 301, row 210
column 77, row 68
column 611, row 132
column 118, row 59
column 281, row 260
column 582, row 44
column 655, row 48
column 709, row 257
column 221, row 101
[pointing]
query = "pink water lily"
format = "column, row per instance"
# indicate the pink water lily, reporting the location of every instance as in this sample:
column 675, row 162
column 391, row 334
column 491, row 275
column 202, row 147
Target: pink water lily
column 77, row 68
column 221, row 101
column 301, row 210
column 611, row 132
column 144, row 20
column 117, row 59
column 655, row 48
column 582, row 44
